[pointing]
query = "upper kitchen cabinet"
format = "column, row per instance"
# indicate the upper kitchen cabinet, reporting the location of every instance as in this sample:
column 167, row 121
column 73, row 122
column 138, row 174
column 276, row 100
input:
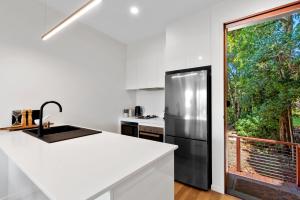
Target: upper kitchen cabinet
column 145, row 64
column 188, row 42
column 185, row 44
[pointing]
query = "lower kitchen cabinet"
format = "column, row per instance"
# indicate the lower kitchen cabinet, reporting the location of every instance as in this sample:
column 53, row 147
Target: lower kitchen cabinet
column 151, row 133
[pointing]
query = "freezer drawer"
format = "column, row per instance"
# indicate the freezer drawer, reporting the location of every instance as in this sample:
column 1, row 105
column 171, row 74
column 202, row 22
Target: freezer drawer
column 192, row 162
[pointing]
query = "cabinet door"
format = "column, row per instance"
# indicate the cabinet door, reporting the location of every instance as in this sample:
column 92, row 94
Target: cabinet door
column 146, row 62
column 132, row 74
column 152, row 65
column 143, row 73
column 160, row 70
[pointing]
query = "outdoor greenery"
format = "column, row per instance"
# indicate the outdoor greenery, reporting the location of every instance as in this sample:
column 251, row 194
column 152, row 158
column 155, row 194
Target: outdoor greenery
column 296, row 121
column 264, row 78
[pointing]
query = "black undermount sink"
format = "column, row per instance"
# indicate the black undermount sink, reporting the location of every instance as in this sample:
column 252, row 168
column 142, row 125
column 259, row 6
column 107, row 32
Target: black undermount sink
column 60, row 133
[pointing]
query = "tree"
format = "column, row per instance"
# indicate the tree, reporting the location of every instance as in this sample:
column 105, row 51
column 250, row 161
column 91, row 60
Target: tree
column 263, row 73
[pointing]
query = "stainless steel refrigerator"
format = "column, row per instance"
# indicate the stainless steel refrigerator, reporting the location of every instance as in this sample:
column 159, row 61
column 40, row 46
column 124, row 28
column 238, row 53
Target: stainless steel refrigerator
column 188, row 124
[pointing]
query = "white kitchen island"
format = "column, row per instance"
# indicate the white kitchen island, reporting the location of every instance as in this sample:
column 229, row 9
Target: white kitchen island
column 104, row 166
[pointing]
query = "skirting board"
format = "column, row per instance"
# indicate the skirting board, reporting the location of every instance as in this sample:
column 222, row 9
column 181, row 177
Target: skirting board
column 218, row 189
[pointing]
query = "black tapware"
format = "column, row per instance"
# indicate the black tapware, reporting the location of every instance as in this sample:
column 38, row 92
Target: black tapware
column 41, row 128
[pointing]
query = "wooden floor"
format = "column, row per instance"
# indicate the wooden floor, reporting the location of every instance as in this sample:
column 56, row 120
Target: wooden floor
column 183, row 192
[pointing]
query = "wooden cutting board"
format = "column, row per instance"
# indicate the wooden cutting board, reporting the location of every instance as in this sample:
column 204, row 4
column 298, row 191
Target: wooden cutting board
column 17, row 128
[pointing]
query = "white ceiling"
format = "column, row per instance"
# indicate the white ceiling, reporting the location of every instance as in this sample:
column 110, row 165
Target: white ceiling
column 112, row 17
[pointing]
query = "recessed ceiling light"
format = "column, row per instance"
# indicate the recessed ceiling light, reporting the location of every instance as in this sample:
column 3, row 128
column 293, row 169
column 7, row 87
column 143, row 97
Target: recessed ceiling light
column 134, row 10
column 200, row 58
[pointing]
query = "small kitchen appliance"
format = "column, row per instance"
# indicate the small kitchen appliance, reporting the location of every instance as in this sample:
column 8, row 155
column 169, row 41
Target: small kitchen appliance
column 138, row 111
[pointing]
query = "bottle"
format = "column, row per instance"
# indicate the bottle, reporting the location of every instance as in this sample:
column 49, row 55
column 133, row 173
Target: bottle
column 24, row 120
column 29, row 119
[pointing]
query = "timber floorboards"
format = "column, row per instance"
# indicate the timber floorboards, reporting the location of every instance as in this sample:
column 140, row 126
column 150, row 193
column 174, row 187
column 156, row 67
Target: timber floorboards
column 183, row 192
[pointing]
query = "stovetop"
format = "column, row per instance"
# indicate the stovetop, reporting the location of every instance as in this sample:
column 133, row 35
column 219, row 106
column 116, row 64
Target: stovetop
column 147, row 117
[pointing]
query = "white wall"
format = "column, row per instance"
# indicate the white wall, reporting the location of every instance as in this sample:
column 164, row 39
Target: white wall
column 80, row 68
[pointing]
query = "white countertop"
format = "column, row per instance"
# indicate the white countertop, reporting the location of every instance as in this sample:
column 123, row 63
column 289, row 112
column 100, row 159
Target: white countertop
column 83, row 167
column 155, row 122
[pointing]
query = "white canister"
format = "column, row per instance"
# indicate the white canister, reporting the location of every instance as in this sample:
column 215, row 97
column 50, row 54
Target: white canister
column 131, row 112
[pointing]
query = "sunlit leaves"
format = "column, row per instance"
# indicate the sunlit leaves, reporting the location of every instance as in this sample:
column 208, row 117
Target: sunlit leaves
column 264, row 74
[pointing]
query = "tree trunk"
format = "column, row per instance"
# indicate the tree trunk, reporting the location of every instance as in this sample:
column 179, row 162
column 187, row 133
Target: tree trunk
column 291, row 125
column 285, row 120
column 285, row 126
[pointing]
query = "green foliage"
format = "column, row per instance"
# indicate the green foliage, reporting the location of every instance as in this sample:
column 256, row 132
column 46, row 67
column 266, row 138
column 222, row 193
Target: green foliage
column 255, row 126
column 263, row 72
column 296, row 112
column 248, row 126
column 296, row 122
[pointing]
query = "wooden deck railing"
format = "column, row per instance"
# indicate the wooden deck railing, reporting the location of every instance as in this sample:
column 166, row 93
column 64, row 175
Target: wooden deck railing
column 270, row 157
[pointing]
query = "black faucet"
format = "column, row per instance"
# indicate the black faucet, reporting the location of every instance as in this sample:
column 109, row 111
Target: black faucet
column 41, row 127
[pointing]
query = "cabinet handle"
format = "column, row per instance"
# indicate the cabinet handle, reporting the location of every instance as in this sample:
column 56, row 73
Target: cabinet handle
column 149, row 134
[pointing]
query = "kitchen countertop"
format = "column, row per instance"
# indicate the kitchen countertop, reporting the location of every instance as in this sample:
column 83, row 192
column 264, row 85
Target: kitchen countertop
column 83, row 167
column 155, row 122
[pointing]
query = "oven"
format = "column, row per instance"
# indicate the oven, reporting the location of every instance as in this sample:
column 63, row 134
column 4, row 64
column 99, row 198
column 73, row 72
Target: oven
column 151, row 133
column 130, row 129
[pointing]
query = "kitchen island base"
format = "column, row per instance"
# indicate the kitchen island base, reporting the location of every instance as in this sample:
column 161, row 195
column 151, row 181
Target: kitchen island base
column 154, row 181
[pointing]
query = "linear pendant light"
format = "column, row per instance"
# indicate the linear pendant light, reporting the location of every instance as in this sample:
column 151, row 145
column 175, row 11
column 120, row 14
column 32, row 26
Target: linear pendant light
column 73, row 17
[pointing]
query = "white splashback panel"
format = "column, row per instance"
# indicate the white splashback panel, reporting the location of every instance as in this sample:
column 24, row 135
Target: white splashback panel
column 153, row 101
